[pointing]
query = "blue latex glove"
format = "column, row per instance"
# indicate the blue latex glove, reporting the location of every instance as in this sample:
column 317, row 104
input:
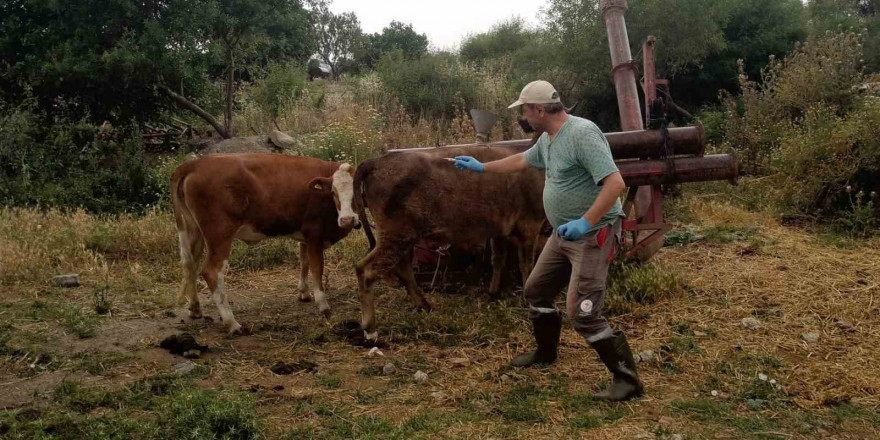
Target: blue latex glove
column 468, row 163
column 574, row 229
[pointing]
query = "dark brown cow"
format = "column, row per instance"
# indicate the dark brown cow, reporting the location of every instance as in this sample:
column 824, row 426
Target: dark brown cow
column 253, row 197
column 421, row 195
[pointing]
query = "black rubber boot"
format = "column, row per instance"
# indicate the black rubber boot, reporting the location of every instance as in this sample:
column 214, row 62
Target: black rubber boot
column 546, row 328
column 618, row 358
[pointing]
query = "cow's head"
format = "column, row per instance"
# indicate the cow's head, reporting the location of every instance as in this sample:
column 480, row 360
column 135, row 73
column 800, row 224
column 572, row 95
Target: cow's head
column 341, row 185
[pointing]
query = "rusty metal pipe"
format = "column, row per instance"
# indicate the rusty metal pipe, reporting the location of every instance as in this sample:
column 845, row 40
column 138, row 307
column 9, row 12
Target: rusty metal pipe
column 687, row 169
column 649, row 143
column 623, row 70
column 627, row 144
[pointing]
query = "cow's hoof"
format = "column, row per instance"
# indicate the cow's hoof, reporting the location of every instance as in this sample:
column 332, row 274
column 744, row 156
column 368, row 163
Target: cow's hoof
column 327, row 313
column 195, row 314
column 305, row 299
column 371, row 336
column 237, row 330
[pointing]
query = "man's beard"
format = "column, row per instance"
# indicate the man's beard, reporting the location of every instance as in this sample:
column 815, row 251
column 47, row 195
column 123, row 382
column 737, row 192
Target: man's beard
column 526, row 127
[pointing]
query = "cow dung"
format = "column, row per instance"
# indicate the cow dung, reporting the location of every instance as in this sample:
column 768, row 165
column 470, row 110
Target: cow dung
column 182, row 343
column 351, row 330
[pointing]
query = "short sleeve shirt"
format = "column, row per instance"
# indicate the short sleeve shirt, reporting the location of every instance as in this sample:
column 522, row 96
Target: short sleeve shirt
column 575, row 163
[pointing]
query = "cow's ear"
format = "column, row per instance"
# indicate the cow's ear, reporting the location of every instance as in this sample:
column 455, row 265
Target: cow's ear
column 321, row 184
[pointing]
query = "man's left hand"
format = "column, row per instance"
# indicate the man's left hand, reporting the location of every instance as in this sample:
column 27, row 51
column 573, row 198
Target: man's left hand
column 574, row 229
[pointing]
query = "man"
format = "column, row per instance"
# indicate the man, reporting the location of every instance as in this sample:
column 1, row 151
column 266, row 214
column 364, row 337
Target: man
column 581, row 201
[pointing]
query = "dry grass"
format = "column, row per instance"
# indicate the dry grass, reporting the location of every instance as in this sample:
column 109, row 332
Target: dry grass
column 794, row 282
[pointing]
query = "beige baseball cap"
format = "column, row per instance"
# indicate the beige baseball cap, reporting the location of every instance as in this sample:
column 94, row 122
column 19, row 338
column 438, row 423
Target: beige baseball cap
column 537, row 92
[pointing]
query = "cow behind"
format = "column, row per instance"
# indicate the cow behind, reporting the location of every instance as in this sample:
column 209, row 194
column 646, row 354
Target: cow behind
column 414, row 195
column 253, row 197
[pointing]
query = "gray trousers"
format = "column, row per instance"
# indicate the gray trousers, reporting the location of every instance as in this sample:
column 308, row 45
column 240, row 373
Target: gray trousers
column 582, row 266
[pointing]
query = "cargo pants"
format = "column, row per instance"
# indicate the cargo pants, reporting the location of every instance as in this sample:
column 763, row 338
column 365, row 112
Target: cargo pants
column 582, row 266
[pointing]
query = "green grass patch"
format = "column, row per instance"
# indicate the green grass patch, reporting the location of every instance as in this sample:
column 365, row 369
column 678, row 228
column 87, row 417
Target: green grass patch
column 630, row 285
column 330, row 382
column 524, row 403
column 75, row 319
column 210, row 414
column 99, row 363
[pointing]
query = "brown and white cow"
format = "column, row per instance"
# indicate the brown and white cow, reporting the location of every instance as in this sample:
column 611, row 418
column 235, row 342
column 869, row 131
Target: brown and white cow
column 252, row 197
column 421, row 195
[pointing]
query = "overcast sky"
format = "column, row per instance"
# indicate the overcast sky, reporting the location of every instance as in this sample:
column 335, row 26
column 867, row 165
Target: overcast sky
column 445, row 22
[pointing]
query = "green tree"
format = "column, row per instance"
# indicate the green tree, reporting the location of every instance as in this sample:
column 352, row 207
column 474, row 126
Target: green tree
column 337, row 36
column 148, row 54
column 753, row 30
column 506, row 38
column 855, row 15
column 396, row 36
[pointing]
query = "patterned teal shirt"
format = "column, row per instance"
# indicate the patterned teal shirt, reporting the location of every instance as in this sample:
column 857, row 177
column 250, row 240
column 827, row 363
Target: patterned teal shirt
column 575, row 163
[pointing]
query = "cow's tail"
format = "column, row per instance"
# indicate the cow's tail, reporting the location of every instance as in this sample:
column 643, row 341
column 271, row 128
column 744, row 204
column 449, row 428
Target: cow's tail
column 360, row 187
column 188, row 233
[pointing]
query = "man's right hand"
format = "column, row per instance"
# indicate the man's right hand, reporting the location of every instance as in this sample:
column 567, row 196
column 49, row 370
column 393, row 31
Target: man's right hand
column 468, row 163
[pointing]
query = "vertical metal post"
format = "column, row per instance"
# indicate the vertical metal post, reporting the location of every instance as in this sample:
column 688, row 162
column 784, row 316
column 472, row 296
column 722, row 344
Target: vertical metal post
column 623, row 71
column 649, row 84
column 647, row 200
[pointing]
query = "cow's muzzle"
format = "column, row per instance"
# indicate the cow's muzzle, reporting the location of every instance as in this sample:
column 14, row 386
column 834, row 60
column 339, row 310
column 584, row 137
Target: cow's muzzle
column 349, row 222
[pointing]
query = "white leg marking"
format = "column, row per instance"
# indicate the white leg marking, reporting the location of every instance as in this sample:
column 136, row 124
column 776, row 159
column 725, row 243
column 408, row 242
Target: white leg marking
column 222, row 302
column 188, row 290
column 323, row 306
column 371, row 336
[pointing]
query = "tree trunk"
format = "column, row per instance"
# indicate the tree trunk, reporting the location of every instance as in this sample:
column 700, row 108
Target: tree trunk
column 187, row 104
column 230, row 85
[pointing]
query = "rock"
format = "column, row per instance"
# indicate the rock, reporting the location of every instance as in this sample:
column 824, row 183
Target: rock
column 714, row 393
column 249, row 144
column 67, row 280
column 645, row 356
column 184, row 368
column 505, row 379
column 750, row 323
column 389, row 369
column 170, row 314
column 420, row 376
column 811, row 338
column 846, row 327
column 762, row 377
column 281, row 139
column 755, row 404
column 439, row 395
column 460, row 362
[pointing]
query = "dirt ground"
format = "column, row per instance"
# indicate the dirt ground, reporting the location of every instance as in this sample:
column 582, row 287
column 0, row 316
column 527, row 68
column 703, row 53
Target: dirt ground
column 709, row 376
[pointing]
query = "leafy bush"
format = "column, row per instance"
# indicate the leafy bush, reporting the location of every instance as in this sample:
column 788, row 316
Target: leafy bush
column 351, row 140
column 282, row 83
column 808, row 129
column 429, row 87
column 56, row 162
